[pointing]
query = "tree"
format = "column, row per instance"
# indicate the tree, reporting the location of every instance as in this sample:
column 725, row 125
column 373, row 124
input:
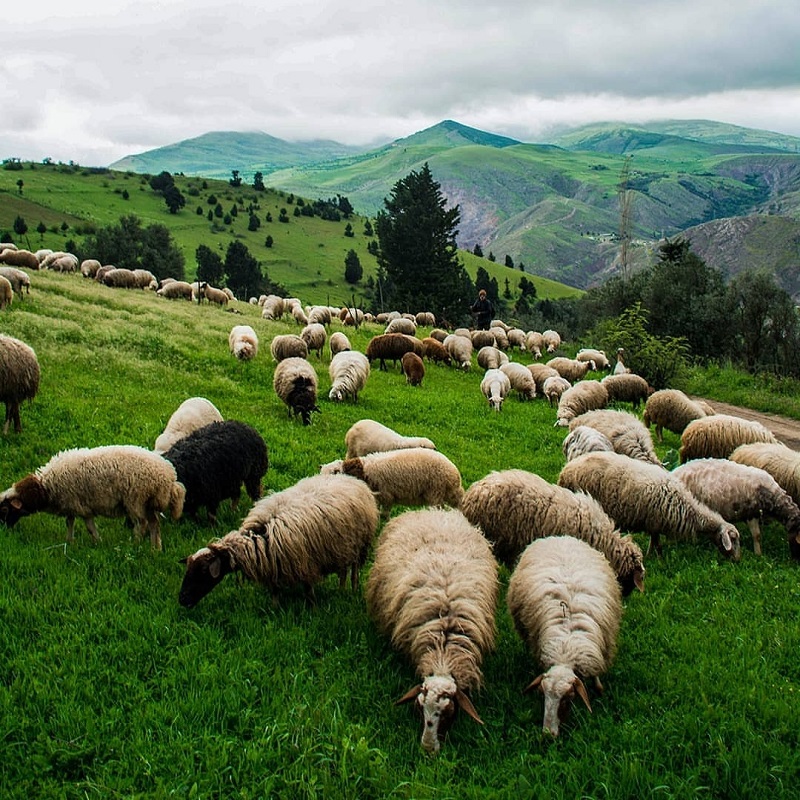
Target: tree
column 258, row 182
column 283, row 216
column 242, row 271
column 344, row 206
column 418, row 252
column 235, row 179
column 348, row 230
column 41, row 229
column 491, row 257
column 20, row 184
column 174, row 199
column 254, row 223
column 368, row 228
column 509, row 261
column 21, row 227
column 269, row 241
column 477, row 251
column 353, row 271
column 209, row 265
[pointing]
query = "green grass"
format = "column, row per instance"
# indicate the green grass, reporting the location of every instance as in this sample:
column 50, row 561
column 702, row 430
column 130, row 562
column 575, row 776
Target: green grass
column 108, row 688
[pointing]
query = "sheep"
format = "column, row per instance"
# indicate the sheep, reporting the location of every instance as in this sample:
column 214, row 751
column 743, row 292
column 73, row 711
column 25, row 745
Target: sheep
column 500, row 338
column 190, row 415
column 144, row 279
column 567, row 608
column 599, row 357
column 352, row 317
column 409, row 477
column 349, row 371
column 6, row 293
column 495, row 387
column 553, row 387
column 460, row 350
column 388, row 347
column 174, row 290
column 491, row 357
column 534, row 342
column 19, row 258
column 521, row 379
column 571, row 369
column 60, row 261
column 295, row 382
column 368, row 436
column 89, row 267
column 439, row 334
column 19, row 378
column 627, row 388
column 624, row 430
column 541, row 372
column 315, row 336
column 321, row 314
column 483, row 338
column 780, row 461
column 578, row 399
column 434, row 350
column 213, row 295
column 513, row 507
column 402, row 325
column 120, row 278
column 516, row 338
column 288, row 345
column 99, row 482
column 644, row 497
column 551, row 340
column 498, row 323
column 243, row 342
column 338, row 343
column 413, row 368
column 433, row 591
column 670, row 409
column 583, row 439
column 425, row 319
column 214, row 461
column 465, row 332
column 321, row 525
column 273, row 308
column 741, row 493
column 719, row 435
column 19, row 280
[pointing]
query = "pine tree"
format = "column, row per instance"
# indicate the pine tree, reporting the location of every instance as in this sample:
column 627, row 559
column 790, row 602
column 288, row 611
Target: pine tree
column 353, row 271
column 243, row 273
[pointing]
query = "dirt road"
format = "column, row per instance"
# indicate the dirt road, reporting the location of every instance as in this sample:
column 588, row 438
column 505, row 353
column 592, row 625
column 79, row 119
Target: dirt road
column 786, row 430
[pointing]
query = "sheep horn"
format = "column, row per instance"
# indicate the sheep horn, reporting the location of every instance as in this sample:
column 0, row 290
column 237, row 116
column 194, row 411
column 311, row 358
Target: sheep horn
column 409, row 695
column 466, row 704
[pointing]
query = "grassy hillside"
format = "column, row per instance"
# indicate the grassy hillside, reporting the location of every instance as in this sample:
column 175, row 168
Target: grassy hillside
column 110, row 688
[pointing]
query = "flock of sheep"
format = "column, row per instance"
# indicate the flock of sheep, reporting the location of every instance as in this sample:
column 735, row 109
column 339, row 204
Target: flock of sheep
column 433, row 586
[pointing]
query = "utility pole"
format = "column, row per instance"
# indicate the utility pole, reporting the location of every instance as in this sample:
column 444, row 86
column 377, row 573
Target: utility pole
column 625, row 195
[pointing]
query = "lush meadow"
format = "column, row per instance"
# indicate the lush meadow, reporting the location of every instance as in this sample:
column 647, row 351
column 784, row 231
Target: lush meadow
column 108, row 688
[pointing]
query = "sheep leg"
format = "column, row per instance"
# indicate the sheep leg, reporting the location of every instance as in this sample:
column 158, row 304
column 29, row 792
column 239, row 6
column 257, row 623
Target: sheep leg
column 755, row 530
column 654, row 544
column 660, row 433
column 342, row 577
column 90, row 526
column 354, row 577
column 155, row 531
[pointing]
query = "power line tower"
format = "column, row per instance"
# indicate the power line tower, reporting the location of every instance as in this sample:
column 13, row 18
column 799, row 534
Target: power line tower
column 625, row 195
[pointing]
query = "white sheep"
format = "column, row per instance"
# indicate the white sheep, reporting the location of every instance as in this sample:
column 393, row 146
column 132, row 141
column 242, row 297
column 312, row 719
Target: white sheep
column 338, row 343
column 521, row 379
column 551, row 340
column 425, row 319
column 349, row 371
column 719, row 435
column 89, row 267
column 482, row 338
column 402, row 325
column 213, row 295
column 495, row 387
column 534, row 342
column 554, row 387
column 459, row 348
column 671, row 409
column 513, row 507
column 578, row 399
column 190, row 415
column 741, row 493
column 624, row 430
column 6, row 293
column 583, row 439
column 566, row 606
column 288, row 345
column 780, row 461
column 571, row 369
column 500, row 338
column 174, row 290
column 99, row 482
column 368, row 436
column 541, row 372
column 599, row 357
column 516, row 338
column 144, row 279
column 19, row 378
column 323, row 524
column 491, row 357
column 19, row 280
column 433, row 591
column 243, row 342
column 273, row 307
column 295, row 382
column 644, row 497
column 629, row 388
column 315, row 336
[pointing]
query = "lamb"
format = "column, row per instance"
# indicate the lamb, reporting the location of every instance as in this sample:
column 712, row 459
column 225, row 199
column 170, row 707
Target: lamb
column 541, row 372
column 6, row 293
column 321, row 525
column 288, row 345
column 671, row 409
column 513, row 507
column 571, row 369
column 190, row 415
column 599, row 357
column 402, row 325
column 413, row 368
column 567, row 608
column 19, row 280
column 719, row 435
column 624, row 430
column 214, row 461
column 295, row 382
column 578, row 399
column 491, row 357
column 338, row 343
column 583, row 439
column 174, row 290
column 409, row 477
column 742, row 493
column 315, row 336
column 19, row 378
column 553, row 388
column 243, row 342
column 495, row 387
column 99, row 482
column 780, row 461
column 534, row 342
column 434, row 350
column 388, row 347
column 433, row 591
column 644, row 497
column 521, row 379
column 551, row 340
column 627, row 388
column 349, row 371
column 368, row 436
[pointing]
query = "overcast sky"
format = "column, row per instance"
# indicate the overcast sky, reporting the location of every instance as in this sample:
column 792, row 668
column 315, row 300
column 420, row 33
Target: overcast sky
column 95, row 80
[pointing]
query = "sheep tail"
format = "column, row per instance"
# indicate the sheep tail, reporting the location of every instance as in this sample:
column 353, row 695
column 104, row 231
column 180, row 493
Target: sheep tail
column 176, row 500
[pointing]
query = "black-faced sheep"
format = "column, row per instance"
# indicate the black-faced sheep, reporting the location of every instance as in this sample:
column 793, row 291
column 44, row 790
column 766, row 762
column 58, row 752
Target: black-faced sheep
column 388, row 347
column 433, row 591
column 513, row 507
column 624, row 430
column 243, row 342
column 719, row 435
column 627, row 388
column 323, row 524
column 578, row 399
column 295, row 382
column 671, row 409
column 413, row 368
column 19, row 378
column 214, row 461
column 495, row 386
column 368, row 436
column 99, row 482
column 190, row 415
column 349, row 371
column 566, row 606
column 288, row 345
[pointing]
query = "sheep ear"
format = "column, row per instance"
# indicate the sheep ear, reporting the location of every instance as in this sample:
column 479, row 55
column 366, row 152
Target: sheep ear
column 466, row 704
column 409, row 695
column 638, row 581
column 214, row 568
column 581, row 690
column 534, row 684
column 726, row 540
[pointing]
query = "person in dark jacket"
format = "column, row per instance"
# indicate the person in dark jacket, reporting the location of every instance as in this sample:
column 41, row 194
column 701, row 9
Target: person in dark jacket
column 483, row 311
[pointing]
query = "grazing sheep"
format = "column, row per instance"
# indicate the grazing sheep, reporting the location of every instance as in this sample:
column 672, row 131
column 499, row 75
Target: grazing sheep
column 352, row 317
column 190, row 415
column 516, row 338
column 413, row 368
column 513, row 507
column 315, row 336
column 483, row 338
column 60, row 262
column 521, row 379
column 174, row 290
column 349, row 371
column 99, row 482
column 243, row 342
column 567, row 608
column 434, row 350
column 321, row 314
column 439, row 334
column 19, row 280
column 367, row 436
column 541, row 372
column 740, row 493
column 578, row 399
column 19, row 258
column 552, row 341
column 425, row 319
column 338, row 343
column 324, row 524
column 212, row 294
column 388, row 347
column 553, row 387
column 144, row 279
column 491, row 357
column 214, row 461
column 671, row 409
column 295, row 382
column 408, row 477
column 288, row 345
column 120, row 278
column 500, row 338
column 628, row 388
column 433, row 591
column 583, row 439
column 780, row 461
column 571, row 369
column 19, row 378
column 6, row 293
column 534, row 342
column 719, row 435
column 495, row 387
column 624, row 430
column 273, row 308
column 597, row 356
column 402, row 325
column 643, row 497
column 89, row 267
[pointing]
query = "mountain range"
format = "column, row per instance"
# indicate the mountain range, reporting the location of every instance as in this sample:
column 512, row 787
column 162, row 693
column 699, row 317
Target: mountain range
column 554, row 206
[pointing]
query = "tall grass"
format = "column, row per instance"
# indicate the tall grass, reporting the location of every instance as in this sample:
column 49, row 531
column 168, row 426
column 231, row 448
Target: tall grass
column 108, row 688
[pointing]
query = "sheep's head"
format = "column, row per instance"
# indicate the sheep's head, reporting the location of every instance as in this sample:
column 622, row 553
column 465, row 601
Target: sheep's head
column 25, row 497
column 204, row 570
column 728, row 541
column 438, row 698
column 559, row 685
column 336, row 395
